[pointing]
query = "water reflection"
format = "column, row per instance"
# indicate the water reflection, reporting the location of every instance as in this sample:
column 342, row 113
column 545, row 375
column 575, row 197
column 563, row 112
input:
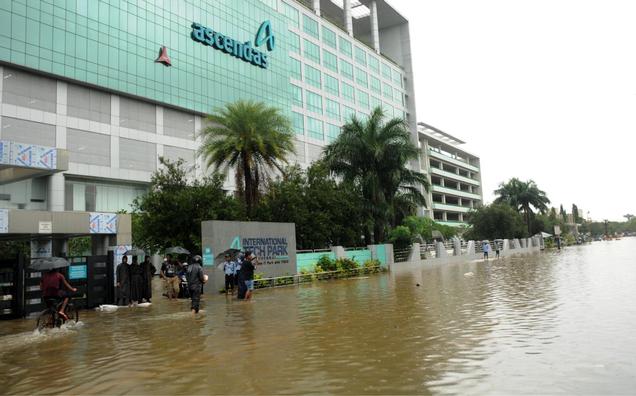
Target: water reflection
column 547, row 323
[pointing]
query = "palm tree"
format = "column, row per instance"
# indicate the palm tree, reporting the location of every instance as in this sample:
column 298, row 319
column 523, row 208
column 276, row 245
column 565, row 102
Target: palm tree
column 250, row 136
column 523, row 196
column 374, row 156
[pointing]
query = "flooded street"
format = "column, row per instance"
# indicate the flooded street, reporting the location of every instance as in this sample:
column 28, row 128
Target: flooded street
column 545, row 323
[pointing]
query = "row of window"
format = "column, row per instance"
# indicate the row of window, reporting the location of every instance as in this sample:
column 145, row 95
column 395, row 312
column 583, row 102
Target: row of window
column 314, row 128
column 311, row 27
column 36, row 92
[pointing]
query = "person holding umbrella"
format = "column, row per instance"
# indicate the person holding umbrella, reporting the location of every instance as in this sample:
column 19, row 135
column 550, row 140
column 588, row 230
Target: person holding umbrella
column 148, row 272
column 247, row 273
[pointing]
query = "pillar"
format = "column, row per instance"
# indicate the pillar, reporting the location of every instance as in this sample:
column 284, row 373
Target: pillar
column 348, row 21
column 414, row 255
column 375, row 31
column 55, row 193
column 317, row 7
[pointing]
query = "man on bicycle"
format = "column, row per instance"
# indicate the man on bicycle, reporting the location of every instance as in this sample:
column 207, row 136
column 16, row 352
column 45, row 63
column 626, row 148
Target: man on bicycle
column 51, row 286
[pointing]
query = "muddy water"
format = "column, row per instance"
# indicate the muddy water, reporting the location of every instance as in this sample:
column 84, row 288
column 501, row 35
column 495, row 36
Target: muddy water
column 546, row 323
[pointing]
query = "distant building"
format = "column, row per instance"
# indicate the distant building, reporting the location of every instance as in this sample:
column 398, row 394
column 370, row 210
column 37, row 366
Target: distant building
column 454, row 174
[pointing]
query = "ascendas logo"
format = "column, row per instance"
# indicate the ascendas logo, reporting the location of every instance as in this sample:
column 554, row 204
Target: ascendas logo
column 243, row 51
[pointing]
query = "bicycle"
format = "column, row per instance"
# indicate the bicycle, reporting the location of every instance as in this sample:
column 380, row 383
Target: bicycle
column 51, row 318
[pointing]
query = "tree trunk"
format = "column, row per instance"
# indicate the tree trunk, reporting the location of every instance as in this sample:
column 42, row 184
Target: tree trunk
column 378, row 231
column 247, row 176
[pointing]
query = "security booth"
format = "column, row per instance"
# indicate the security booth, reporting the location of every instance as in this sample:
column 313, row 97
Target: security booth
column 47, row 234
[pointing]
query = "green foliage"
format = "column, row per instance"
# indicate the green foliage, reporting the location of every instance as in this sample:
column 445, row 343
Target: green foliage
column 523, row 197
column 79, row 246
column 326, row 213
column 346, row 264
column 326, row 264
column 373, row 155
column 401, row 237
column 495, row 221
column 424, row 226
column 171, row 212
column 11, row 249
column 252, row 137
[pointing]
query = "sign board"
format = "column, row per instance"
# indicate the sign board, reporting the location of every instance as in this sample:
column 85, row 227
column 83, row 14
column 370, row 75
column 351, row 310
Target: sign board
column 28, row 155
column 274, row 244
column 557, row 230
column 41, row 248
column 4, row 221
column 45, row 227
column 102, row 223
column 77, row 272
column 208, row 256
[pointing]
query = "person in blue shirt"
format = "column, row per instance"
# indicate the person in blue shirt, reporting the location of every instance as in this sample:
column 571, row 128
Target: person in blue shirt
column 229, row 268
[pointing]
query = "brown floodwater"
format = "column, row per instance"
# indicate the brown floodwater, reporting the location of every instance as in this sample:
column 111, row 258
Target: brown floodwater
column 558, row 323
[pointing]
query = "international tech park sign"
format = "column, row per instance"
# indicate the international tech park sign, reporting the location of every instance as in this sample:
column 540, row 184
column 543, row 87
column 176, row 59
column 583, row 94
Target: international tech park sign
column 242, row 50
column 273, row 243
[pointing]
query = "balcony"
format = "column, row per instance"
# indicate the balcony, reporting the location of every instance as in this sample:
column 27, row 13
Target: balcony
column 454, row 192
column 454, row 176
column 452, row 223
column 452, row 160
column 450, row 208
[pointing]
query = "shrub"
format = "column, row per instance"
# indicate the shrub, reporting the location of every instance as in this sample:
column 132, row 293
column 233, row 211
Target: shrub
column 346, row 264
column 401, row 237
column 326, row 263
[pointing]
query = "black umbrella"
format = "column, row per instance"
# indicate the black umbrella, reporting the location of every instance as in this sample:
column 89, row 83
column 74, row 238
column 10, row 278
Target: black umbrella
column 220, row 258
column 135, row 252
column 177, row 250
column 48, row 263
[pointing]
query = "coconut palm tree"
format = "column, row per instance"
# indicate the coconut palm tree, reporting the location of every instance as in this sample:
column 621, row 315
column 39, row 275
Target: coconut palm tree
column 374, row 155
column 523, row 196
column 250, row 136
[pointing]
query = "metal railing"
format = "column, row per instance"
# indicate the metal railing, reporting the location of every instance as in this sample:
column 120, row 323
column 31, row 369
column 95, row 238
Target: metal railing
column 401, row 255
column 290, row 280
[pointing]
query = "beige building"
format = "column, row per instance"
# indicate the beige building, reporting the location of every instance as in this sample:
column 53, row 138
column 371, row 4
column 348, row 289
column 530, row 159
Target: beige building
column 454, row 174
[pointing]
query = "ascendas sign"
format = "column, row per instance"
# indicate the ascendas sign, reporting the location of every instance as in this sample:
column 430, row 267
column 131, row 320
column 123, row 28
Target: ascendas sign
column 243, row 51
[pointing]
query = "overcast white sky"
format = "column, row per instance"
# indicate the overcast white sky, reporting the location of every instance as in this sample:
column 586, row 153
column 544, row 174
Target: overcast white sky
column 541, row 89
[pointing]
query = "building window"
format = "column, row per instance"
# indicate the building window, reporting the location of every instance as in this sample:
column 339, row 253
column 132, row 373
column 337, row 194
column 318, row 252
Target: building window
column 137, row 155
column 296, row 69
column 134, row 114
column 89, row 104
column 314, row 129
column 297, row 93
column 294, row 42
column 29, row 90
column 88, row 147
column 314, row 102
column 86, row 196
column 361, row 56
column 361, row 77
column 175, row 154
column 29, row 132
column 331, row 85
column 332, row 132
column 375, row 85
column 310, row 27
column 348, row 92
column 375, row 102
column 346, row 69
column 386, row 71
column 387, row 91
column 363, row 99
column 292, row 15
column 312, row 51
column 345, row 47
column 374, row 64
column 333, row 108
column 330, row 60
column 348, row 113
column 329, row 37
column 298, row 123
column 312, row 76
column 178, row 124
column 397, row 78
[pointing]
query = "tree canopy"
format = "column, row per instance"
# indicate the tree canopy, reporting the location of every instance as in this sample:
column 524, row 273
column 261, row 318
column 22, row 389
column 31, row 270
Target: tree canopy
column 523, row 197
